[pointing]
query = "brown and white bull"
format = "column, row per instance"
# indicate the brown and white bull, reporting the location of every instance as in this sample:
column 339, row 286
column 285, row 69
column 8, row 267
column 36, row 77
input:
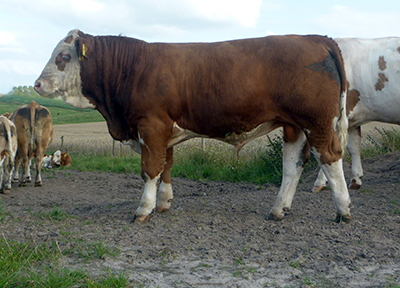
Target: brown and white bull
column 35, row 133
column 8, row 148
column 156, row 95
column 373, row 75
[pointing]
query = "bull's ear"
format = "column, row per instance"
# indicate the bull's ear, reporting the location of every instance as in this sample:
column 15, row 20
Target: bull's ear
column 83, row 47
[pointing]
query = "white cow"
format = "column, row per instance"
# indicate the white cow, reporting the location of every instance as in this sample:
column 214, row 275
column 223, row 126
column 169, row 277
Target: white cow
column 8, row 148
column 373, row 74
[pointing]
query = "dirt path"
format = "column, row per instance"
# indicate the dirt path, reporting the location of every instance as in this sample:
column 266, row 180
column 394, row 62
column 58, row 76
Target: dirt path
column 216, row 234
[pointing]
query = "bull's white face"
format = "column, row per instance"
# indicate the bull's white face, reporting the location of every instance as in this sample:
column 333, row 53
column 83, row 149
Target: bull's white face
column 60, row 77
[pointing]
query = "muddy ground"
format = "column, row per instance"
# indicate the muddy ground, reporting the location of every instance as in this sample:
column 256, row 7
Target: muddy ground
column 216, row 234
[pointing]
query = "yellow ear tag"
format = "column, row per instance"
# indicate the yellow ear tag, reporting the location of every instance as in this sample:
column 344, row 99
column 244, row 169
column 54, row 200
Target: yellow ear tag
column 83, row 50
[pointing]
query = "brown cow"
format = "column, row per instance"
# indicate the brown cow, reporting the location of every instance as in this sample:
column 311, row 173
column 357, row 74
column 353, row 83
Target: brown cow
column 35, row 133
column 8, row 148
column 156, row 95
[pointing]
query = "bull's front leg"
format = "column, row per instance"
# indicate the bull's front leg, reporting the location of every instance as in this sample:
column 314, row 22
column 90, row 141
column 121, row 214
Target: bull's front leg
column 153, row 146
column 165, row 194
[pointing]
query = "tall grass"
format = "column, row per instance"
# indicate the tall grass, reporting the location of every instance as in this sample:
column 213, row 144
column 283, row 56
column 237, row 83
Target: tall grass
column 386, row 141
column 259, row 164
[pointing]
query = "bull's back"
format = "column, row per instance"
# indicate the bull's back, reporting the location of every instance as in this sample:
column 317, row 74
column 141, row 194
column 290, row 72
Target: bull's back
column 237, row 85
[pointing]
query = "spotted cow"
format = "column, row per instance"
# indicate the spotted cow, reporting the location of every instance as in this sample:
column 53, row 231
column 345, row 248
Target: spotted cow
column 57, row 159
column 156, row 95
column 35, row 133
column 373, row 75
column 8, row 148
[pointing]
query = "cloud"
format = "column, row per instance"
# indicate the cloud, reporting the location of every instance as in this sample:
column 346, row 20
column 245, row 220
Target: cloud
column 246, row 12
column 345, row 21
column 6, row 38
column 20, row 67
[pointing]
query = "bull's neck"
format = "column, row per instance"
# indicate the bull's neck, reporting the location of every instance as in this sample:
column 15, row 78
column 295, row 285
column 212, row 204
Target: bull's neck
column 108, row 80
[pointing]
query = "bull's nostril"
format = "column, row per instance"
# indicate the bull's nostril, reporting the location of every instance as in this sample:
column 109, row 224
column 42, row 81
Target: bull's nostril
column 37, row 86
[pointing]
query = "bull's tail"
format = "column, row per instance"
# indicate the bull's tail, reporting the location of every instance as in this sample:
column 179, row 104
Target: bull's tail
column 33, row 125
column 341, row 124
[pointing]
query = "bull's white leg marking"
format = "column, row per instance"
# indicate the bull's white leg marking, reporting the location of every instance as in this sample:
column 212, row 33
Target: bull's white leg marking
column 354, row 147
column 292, row 168
column 337, row 182
column 165, row 196
column 148, row 200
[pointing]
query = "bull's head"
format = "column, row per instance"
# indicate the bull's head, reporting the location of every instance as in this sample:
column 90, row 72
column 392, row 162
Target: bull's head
column 61, row 75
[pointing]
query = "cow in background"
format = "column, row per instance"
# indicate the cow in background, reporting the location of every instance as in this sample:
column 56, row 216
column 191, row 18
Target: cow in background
column 8, row 148
column 57, row 159
column 373, row 74
column 35, row 133
column 156, row 95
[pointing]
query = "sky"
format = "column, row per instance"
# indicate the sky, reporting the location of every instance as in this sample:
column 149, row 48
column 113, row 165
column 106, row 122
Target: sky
column 30, row 30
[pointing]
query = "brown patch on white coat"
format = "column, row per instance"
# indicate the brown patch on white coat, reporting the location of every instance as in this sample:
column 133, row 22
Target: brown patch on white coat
column 372, row 67
column 57, row 159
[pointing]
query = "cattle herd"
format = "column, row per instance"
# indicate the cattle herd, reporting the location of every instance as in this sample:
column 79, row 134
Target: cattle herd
column 25, row 134
column 156, row 95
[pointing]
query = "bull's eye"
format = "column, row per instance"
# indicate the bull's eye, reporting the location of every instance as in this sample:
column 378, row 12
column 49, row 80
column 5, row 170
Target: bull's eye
column 66, row 57
column 62, row 60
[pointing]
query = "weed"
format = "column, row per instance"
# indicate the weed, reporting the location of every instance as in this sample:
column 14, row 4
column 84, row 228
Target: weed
column 56, row 214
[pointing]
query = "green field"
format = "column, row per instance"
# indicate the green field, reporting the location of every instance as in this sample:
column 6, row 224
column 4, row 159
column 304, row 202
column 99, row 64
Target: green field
column 61, row 113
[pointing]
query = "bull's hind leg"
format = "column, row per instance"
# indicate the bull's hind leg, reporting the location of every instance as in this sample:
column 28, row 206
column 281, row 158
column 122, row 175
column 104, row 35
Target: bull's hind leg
column 295, row 155
column 8, row 170
column 165, row 194
column 329, row 157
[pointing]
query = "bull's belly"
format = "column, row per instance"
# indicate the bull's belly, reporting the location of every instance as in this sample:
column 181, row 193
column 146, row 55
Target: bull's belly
column 238, row 140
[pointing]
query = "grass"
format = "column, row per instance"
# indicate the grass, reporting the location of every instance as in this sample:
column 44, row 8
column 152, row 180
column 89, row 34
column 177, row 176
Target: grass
column 217, row 162
column 28, row 264
column 61, row 113
column 386, row 141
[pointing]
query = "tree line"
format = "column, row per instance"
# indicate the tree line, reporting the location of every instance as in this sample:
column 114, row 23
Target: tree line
column 25, row 90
